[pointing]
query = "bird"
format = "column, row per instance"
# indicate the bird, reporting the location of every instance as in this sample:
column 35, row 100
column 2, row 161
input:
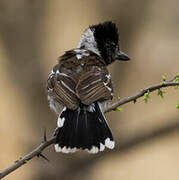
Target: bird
column 79, row 87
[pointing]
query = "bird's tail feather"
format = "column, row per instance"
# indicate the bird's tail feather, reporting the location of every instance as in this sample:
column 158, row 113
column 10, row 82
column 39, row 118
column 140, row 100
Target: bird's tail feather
column 85, row 128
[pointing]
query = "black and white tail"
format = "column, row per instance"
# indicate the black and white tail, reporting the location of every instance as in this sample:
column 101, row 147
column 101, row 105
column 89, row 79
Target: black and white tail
column 85, row 128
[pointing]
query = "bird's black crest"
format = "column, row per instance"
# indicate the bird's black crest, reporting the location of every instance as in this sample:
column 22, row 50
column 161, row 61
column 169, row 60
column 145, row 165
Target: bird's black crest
column 106, row 31
column 106, row 37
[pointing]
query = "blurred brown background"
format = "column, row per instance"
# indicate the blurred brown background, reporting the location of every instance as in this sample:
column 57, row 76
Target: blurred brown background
column 33, row 33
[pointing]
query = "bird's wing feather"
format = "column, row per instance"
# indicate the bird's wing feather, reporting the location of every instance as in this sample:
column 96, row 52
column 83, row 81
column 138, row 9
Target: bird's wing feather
column 73, row 81
column 61, row 86
column 94, row 85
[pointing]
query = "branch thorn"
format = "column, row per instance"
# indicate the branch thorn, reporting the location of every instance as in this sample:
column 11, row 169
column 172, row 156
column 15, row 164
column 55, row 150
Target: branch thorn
column 45, row 136
column 134, row 101
column 43, row 156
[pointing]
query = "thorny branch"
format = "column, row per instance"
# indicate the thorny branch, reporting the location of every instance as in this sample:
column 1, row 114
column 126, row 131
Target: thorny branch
column 23, row 160
column 38, row 150
column 141, row 93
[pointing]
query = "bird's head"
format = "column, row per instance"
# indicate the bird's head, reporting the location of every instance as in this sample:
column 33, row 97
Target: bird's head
column 103, row 39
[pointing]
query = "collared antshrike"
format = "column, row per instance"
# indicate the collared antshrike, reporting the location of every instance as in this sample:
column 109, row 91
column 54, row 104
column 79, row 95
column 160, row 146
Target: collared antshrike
column 79, row 87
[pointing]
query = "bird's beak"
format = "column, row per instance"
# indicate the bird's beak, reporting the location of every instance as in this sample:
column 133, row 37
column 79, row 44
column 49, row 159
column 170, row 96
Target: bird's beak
column 122, row 56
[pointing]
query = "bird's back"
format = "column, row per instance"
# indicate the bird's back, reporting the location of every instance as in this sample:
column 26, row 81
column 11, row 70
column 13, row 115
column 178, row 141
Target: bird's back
column 80, row 76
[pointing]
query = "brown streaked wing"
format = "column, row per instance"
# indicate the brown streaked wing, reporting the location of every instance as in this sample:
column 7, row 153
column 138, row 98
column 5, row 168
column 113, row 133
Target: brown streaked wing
column 61, row 87
column 94, row 85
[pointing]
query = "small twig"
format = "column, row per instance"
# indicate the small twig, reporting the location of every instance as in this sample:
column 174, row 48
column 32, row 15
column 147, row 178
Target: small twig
column 38, row 150
column 141, row 93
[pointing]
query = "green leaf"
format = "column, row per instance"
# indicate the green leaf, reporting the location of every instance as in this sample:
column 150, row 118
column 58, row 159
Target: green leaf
column 161, row 93
column 177, row 105
column 163, row 78
column 146, row 96
column 25, row 161
column 119, row 109
column 176, row 80
column 176, row 87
